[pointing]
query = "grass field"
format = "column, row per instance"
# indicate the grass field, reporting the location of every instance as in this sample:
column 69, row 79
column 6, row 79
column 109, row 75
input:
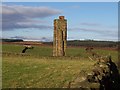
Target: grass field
column 38, row 69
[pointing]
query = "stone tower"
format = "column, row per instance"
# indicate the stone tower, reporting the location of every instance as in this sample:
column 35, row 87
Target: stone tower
column 60, row 37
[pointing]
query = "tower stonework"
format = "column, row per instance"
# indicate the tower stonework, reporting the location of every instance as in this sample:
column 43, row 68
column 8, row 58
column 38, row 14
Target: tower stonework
column 60, row 37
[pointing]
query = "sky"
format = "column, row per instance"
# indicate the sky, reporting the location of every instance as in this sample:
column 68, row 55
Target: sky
column 85, row 20
column 60, row 0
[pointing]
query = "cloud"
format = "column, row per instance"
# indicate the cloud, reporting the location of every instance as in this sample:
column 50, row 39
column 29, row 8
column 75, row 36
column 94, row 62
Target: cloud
column 75, row 7
column 85, row 29
column 18, row 37
column 101, row 32
column 90, row 24
column 98, row 25
column 12, row 26
column 18, row 16
column 29, row 11
column 81, row 35
column 44, row 39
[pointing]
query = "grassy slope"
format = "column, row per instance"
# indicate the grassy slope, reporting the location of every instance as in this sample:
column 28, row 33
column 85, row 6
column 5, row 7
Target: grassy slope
column 40, row 69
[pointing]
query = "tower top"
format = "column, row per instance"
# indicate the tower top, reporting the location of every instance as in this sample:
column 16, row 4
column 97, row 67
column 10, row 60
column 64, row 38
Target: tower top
column 61, row 17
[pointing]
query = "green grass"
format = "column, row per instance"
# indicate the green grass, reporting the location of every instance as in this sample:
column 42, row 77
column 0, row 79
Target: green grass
column 36, row 51
column 38, row 69
column 45, row 51
column 29, row 72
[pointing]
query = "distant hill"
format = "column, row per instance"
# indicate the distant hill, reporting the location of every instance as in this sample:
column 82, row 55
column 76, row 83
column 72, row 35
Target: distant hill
column 89, row 43
column 11, row 40
column 84, row 43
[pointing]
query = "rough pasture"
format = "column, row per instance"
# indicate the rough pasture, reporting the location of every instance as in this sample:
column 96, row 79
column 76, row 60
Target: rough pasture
column 37, row 68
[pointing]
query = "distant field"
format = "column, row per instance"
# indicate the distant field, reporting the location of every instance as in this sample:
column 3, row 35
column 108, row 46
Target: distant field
column 47, row 51
column 37, row 68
